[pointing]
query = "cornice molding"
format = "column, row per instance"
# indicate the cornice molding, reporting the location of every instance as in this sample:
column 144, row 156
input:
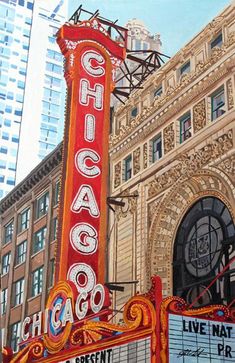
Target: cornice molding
column 131, row 134
column 205, row 35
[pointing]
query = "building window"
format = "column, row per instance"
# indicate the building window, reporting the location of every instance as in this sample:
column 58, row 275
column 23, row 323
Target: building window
column 185, row 69
column 134, row 112
column 204, row 245
column 42, row 205
column 217, row 104
column 217, row 42
column 6, row 260
column 51, row 272
column 54, row 229
column 56, row 193
column 37, row 277
column 185, row 127
column 127, row 168
column 15, row 336
column 156, row 148
column 39, row 239
column 8, row 232
column 23, row 222
column 18, row 292
column 158, row 92
column 3, row 301
column 21, row 252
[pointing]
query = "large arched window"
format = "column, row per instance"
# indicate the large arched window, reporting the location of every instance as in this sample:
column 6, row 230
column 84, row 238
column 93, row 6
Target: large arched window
column 204, row 245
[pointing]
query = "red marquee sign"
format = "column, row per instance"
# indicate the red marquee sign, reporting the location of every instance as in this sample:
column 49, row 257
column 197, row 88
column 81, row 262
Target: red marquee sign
column 91, row 57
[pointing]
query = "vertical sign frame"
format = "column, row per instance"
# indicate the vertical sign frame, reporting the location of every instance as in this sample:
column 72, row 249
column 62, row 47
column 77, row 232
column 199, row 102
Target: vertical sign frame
column 91, row 57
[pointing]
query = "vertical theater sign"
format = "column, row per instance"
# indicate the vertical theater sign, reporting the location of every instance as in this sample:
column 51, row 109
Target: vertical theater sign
column 76, row 326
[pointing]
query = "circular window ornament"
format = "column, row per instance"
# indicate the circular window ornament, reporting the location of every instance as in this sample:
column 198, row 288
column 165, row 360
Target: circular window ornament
column 203, row 246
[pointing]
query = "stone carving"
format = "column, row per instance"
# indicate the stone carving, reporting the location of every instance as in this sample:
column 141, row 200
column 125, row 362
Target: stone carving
column 172, row 207
column 228, row 165
column 169, row 138
column 230, row 94
column 216, row 54
column 215, row 23
column 188, row 164
column 199, row 115
column 129, row 207
column 136, row 161
column 117, row 174
column 185, row 78
column 145, row 155
column 230, row 39
column 152, row 209
column 171, row 91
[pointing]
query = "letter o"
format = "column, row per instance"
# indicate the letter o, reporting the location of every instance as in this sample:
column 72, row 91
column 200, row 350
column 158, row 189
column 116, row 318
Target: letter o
column 83, row 276
column 94, row 306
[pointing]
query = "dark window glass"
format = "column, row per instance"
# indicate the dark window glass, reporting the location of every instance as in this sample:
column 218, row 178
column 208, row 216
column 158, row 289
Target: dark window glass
column 127, row 168
column 217, row 42
column 3, row 301
column 158, row 92
column 37, row 277
column 56, row 193
column 217, row 104
column 39, row 239
column 8, row 232
column 21, row 250
column 156, row 148
column 15, row 336
column 185, row 127
column 42, row 205
column 134, row 112
column 6, row 260
column 18, row 292
column 24, row 220
column 204, row 245
column 185, row 68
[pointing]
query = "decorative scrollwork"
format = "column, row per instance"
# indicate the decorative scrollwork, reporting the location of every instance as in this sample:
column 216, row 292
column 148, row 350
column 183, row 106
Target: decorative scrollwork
column 33, row 351
column 139, row 312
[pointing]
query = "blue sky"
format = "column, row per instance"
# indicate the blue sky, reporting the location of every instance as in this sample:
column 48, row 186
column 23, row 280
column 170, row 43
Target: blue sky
column 176, row 20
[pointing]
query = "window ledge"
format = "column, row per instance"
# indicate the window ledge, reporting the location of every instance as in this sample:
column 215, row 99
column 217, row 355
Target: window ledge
column 16, row 306
column 22, row 232
column 34, row 297
column 4, row 274
column 19, row 264
column 41, row 217
column 37, row 253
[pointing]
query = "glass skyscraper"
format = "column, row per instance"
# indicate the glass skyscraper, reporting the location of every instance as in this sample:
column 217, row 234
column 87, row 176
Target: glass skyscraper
column 32, row 86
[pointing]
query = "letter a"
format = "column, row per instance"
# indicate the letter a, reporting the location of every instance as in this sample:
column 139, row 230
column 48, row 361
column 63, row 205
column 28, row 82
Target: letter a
column 85, row 199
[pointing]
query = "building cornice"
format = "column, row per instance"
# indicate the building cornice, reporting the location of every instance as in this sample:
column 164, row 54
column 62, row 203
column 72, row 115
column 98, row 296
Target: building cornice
column 206, row 34
column 171, row 103
column 41, row 171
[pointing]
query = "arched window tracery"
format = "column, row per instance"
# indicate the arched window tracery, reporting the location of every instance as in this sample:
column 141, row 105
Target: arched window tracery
column 204, row 245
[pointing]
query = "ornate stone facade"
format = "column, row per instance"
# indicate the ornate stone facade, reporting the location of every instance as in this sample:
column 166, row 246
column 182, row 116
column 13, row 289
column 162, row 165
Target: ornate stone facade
column 136, row 161
column 169, row 138
column 199, row 115
column 191, row 160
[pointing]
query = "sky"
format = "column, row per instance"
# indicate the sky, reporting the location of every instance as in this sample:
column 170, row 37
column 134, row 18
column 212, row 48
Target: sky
column 177, row 21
